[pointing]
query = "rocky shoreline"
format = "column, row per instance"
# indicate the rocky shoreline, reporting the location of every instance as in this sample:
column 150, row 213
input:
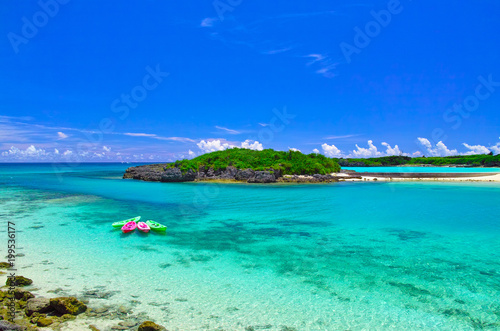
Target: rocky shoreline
column 159, row 173
column 20, row 309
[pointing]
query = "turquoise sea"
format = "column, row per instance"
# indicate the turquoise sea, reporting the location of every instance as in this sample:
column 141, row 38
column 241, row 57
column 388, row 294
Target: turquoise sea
column 340, row 256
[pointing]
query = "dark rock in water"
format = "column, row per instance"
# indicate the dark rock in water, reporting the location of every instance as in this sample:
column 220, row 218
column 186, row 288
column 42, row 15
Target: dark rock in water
column 150, row 326
column 158, row 173
column 68, row 305
column 98, row 294
column 4, row 326
column 38, row 305
column 93, row 328
column 128, row 324
column 44, row 321
column 175, row 175
column 22, row 295
column 263, row 177
column 5, row 265
column 18, row 281
column 165, row 173
column 245, row 174
column 229, row 173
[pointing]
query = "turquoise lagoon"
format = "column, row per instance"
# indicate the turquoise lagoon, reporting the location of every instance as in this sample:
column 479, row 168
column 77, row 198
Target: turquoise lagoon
column 340, row 256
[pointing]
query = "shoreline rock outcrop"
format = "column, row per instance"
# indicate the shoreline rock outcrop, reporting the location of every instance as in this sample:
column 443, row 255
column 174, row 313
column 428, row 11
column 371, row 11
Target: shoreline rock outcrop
column 160, row 173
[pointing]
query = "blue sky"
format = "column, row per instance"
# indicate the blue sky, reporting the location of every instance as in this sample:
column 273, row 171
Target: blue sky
column 162, row 80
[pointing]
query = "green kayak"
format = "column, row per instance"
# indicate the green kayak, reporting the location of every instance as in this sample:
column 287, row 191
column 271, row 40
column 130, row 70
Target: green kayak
column 156, row 226
column 122, row 223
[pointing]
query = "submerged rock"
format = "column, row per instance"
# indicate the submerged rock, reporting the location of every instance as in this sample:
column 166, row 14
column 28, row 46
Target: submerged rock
column 150, row 326
column 4, row 325
column 68, row 305
column 22, row 295
column 38, row 305
column 44, row 321
column 18, row 281
column 5, row 265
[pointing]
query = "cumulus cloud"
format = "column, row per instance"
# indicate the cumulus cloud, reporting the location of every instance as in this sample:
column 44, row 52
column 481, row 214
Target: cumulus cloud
column 495, row 148
column 439, row 150
column 293, row 149
column 56, row 151
column 106, row 148
column 392, row 151
column 316, row 151
column 213, row 146
column 68, row 153
column 371, row 151
column 209, row 146
column 331, row 150
column 191, row 153
column 476, row 149
column 61, row 135
column 250, row 144
column 28, row 153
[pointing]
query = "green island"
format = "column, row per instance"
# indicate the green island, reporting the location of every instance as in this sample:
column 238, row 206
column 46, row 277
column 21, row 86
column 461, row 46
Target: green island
column 242, row 165
column 288, row 163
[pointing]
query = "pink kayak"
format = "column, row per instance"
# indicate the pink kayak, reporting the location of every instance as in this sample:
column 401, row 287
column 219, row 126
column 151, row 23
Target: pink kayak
column 143, row 227
column 129, row 227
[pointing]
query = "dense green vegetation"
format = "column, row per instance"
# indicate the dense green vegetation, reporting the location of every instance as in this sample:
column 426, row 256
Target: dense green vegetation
column 288, row 163
column 468, row 160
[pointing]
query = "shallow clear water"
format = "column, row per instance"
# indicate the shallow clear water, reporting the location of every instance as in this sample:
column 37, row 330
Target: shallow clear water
column 422, row 169
column 308, row 257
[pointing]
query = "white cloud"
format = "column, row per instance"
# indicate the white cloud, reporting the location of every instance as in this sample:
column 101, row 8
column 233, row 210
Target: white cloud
column 208, row 22
column 341, row 137
column 316, row 151
column 29, row 153
column 61, row 135
column 371, row 151
column 439, row 150
column 315, row 58
column 219, row 145
column 417, row 154
column 250, row 144
column 68, row 153
column 154, row 136
column 264, row 124
column 212, row 146
column 425, row 142
column 56, row 151
column 392, row 151
column 495, row 148
column 476, row 149
column 191, row 153
column 330, row 150
column 293, row 149
column 106, row 148
column 230, row 131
